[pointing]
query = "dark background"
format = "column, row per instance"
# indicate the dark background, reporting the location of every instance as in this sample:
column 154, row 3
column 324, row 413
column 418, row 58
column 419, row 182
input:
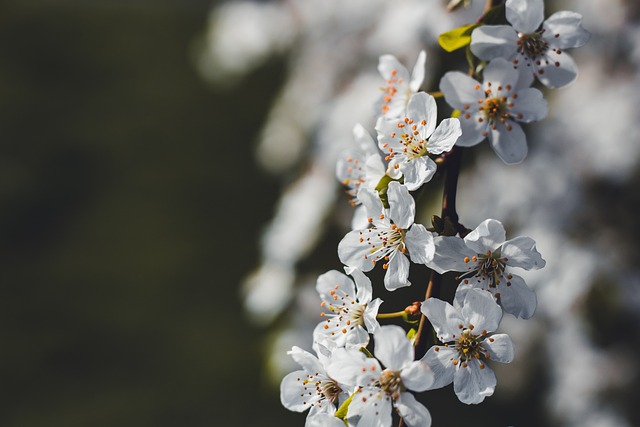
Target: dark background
column 129, row 211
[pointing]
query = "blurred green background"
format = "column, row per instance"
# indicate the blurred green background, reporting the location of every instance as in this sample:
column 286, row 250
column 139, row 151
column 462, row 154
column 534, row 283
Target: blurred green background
column 130, row 210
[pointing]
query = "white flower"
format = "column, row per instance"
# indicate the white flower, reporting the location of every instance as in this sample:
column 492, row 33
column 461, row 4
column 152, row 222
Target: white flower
column 351, row 313
column 361, row 166
column 311, row 387
column 484, row 256
column 466, row 330
column 393, row 235
column 408, row 142
column 493, row 108
column 380, row 390
column 399, row 86
column 536, row 49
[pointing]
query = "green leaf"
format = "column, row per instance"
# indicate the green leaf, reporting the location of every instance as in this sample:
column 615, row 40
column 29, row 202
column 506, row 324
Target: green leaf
column 456, row 38
column 412, row 334
column 342, row 410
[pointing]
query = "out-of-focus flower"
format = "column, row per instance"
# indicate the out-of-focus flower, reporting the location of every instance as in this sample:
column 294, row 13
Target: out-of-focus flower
column 400, row 87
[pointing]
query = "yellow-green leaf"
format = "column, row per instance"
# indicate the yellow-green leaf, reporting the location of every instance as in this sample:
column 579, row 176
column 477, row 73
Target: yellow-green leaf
column 342, row 410
column 456, row 38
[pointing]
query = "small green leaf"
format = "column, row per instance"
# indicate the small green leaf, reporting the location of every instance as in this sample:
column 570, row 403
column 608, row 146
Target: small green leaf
column 456, row 38
column 456, row 113
column 382, row 186
column 412, row 334
column 342, row 410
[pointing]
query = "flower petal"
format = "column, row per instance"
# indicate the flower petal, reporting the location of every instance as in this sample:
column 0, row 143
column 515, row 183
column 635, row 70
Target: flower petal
column 530, row 106
column 449, row 255
column 474, row 127
column 323, row 420
column 402, row 207
column 509, row 142
column 489, row 235
column 417, row 376
column 363, row 284
column 419, row 242
column 334, row 283
column 353, row 252
column 444, row 137
column 499, row 72
column 369, row 198
column 389, row 67
column 351, row 367
column 525, row 15
column 568, row 26
column 422, row 106
column 417, row 75
column 306, row 360
column 392, row 347
column 460, row 90
column 494, row 41
column 369, row 316
column 480, row 310
column 293, row 394
column 371, row 408
column 443, row 317
column 397, row 275
column 521, row 252
column 516, row 297
column 557, row 70
column 499, row 347
column 472, row 384
column 412, row 412
column 418, row 171
column 440, row 360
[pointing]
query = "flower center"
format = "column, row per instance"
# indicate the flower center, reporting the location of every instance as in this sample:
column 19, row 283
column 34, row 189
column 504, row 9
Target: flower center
column 383, row 243
column 468, row 345
column 489, row 266
column 495, row 109
column 329, row 389
column 532, row 45
column 391, row 383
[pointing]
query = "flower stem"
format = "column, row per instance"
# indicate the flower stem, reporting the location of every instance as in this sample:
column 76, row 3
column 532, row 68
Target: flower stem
column 391, row 315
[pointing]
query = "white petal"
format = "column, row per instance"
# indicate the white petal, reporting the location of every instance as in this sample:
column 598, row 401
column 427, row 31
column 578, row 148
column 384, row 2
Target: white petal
column 402, row 207
column 440, row 360
column 364, row 139
column 354, row 253
column 569, row 27
column 323, row 420
column 530, row 106
column 480, row 310
column 557, row 70
column 499, row 72
column 449, row 255
column 372, row 407
column 293, row 395
column 397, row 275
column 355, row 338
column 360, row 218
column 418, row 171
column 353, row 368
column 412, row 412
column 472, row 384
column 363, row 284
column 417, row 76
column 474, row 127
column 499, row 347
column 422, row 106
column 443, row 317
column 306, row 360
column 392, row 347
column 444, row 137
column 509, row 142
column 369, row 316
column 389, row 66
column 521, row 252
column 489, row 235
column 460, row 90
column 419, row 242
column 525, row 15
column 369, row 198
column 417, row 376
column 336, row 282
column 516, row 297
column 494, row 41
column 374, row 169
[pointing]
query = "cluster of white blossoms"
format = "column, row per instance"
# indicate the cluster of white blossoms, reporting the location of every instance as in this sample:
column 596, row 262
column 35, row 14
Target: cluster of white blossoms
column 355, row 382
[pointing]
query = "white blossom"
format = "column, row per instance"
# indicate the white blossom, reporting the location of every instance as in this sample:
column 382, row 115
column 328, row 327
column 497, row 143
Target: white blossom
column 409, row 141
column 380, row 390
column 532, row 45
column 399, row 85
column 493, row 109
column 351, row 311
column 466, row 333
column 484, row 256
column 393, row 237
